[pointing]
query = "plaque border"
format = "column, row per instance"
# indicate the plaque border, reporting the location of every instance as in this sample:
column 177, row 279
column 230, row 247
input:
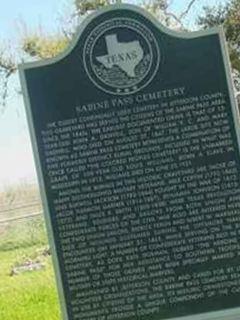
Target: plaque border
column 230, row 314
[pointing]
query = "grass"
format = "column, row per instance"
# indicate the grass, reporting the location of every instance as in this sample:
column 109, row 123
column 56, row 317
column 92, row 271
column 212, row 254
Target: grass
column 22, row 234
column 30, row 295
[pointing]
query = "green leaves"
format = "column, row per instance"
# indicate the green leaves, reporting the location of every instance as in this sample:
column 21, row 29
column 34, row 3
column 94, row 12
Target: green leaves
column 84, row 6
column 212, row 16
column 229, row 17
column 43, row 47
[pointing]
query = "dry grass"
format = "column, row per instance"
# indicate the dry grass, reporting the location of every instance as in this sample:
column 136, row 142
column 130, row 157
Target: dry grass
column 19, row 200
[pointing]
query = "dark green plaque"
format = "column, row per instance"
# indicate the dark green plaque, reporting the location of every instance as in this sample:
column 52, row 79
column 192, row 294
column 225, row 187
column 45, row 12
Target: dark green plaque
column 134, row 130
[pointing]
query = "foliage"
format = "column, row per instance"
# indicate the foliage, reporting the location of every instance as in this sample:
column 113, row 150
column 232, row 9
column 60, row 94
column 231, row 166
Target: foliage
column 39, row 46
column 212, row 16
column 43, row 47
column 84, row 6
column 229, row 17
column 8, row 67
column 22, row 234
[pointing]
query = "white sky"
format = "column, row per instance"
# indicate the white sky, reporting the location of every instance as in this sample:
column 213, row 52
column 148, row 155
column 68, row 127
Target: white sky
column 16, row 159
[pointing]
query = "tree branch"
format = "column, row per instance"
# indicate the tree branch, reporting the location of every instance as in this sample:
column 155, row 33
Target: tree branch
column 176, row 18
column 7, row 67
column 184, row 13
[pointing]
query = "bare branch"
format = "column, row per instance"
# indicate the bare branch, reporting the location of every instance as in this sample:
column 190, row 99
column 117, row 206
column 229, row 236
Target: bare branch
column 184, row 13
column 176, row 18
column 8, row 66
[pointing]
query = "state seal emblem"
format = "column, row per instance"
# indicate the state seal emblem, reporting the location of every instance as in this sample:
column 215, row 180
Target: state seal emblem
column 121, row 56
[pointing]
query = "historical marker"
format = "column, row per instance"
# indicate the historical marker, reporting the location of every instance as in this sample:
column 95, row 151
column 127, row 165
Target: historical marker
column 135, row 138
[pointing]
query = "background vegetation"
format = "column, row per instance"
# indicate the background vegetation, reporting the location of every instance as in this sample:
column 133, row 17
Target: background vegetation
column 27, row 286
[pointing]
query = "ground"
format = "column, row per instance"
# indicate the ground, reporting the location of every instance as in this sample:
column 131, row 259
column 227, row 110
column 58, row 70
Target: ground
column 25, row 294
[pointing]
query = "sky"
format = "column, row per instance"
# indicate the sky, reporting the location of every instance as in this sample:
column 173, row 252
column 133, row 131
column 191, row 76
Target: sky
column 17, row 18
